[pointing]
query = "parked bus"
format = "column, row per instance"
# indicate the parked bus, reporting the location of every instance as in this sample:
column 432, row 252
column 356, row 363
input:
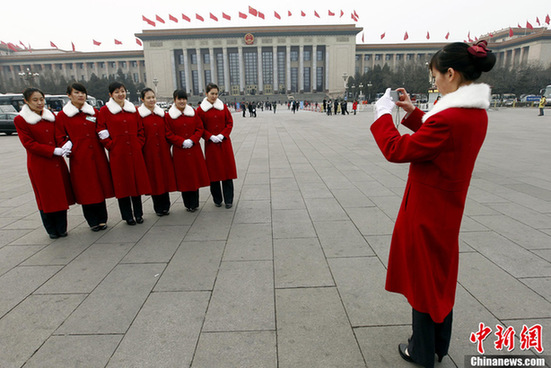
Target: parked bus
column 547, row 93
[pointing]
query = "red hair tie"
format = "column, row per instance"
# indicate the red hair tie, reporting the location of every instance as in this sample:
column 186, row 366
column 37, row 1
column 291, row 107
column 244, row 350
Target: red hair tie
column 479, row 49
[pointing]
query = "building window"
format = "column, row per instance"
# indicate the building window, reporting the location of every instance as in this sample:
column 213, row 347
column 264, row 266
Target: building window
column 294, row 55
column 206, row 58
column 220, row 68
column 409, row 57
column 358, row 57
column 134, row 64
column 319, row 78
column 123, row 64
column 294, row 79
column 112, row 64
column 420, row 56
column 281, row 63
column 267, row 67
column 366, row 69
column 183, row 80
column 251, row 68
column 181, row 59
column 388, row 57
column 307, row 55
column 319, row 55
column 367, row 57
column 307, row 79
column 234, row 68
column 194, row 59
column 378, row 57
column 208, row 77
column 136, row 78
column 195, row 81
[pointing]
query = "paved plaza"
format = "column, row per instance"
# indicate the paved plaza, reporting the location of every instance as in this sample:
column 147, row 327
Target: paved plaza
column 293, row 275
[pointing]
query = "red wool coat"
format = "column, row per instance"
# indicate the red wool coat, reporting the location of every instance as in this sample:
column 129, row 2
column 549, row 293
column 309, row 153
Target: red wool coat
column 424, row 252
column 90, row 173
column 48, row 173
column 156, row 152
column 125, row 142
column 217, row 119
column 189, row 163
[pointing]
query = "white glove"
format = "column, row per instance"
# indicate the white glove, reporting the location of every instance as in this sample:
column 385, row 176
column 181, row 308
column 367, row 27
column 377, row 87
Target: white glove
column 215, row 139
column 66, row 152
column 103, row 134
column 58, row 151
column 68, row 146
column 384, row 105
column 221, row 137
column 188, row 143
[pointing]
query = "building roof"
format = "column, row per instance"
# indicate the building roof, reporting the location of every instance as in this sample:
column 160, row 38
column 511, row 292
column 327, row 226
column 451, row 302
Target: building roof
column 54, row 55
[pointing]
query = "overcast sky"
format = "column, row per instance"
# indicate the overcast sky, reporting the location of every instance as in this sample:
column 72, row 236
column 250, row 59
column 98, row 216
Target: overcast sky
column 37, row 22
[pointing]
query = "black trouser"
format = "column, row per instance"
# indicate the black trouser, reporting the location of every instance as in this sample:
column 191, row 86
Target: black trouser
column 429, row 338
column 541, row 111
column 95, row 213
column 191, row 199
column 55, row 223
column 125, row 206
column 161, row 203
column 227, row 189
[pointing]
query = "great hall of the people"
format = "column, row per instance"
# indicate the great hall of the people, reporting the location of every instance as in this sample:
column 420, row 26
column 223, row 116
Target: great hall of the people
column 259, row 60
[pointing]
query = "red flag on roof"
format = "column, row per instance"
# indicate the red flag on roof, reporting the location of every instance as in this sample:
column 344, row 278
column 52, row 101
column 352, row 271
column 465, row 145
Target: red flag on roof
column 383, row 35
column 331, row 14
column 12, row 47
column 185, row 17
column 316, row 14
column 528, row 25
column 261, row 15
column 302, row 13
column 73, row 46
column 342, row 13
column 139, row 42
column 198, row 17
column 117, row 42
column 22, row 44
column 213, row 17
column 53, row 44
column 363, row 37
column 276, row 14
column 356, row 14
column 547, row 19
column 159, row 19
column 428, row 35
column 538, row 21
column 225, row 16
column 491, row 35
column 173, row 18
column 406, row 36
column 253, row 11
column 518, row 25
column 242, row 15
column 149, row 21
column 289, row 13
column 447, row 35
column 511, row 32
column 96, row 43
column 354, row 18
column 469, row 37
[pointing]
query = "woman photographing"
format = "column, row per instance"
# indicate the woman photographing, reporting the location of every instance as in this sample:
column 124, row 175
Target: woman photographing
column 424, row 251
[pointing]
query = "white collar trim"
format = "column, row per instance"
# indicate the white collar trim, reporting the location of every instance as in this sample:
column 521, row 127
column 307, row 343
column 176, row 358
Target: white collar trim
column 115, row 108
column 71, row 110
column 206, row 105
column 144, row 111
column 473, row 96
column 175, row 113
column 32, row 117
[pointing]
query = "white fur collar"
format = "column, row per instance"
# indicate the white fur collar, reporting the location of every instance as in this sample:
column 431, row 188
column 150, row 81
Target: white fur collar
column 71, row 110
column 175, row 113
column 206, row 106
column 115, row 108
column 32, row 117
column 474, row 95
column 144, row 111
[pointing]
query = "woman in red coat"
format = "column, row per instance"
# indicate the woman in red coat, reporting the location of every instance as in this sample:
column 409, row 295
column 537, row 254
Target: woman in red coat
column 90, row 175
column 184, row 130
column 121, row 132
column 156, row 151
column 45, row 164
column 218, row 123
column 424, row 252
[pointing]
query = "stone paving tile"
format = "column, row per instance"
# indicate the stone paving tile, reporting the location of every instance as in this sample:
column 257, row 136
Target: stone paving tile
column 164, row 333
column 63, row 250
column 541, row 285
column 287, row 200
column 522, row 214
column 300, row 263
column 325, row 209
column 31, row 323
column 255, row 192
column 113, row 305
column 341, row 239
column 249, row 242
column 150, row 250
column 91, row 351
column 236, row 349
column 352, row 198
column 292, row 224
column 313, row 330
column 253, row 212
column 371, row 221
column 243, row 298
column 202, row 228
column 11, row 256
column 193, row 267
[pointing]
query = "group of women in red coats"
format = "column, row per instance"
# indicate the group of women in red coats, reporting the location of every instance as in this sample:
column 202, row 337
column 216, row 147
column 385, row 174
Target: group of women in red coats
column 150, row 152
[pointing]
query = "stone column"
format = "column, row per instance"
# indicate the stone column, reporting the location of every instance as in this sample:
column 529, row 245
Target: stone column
column 187, row 72
column 226, row 69
column 213, row 74
column 241, row 70
column 260, row 77
column 275, row 71
column 288, row 68
column 314, row 82
column 301, row 68
column 200, row 77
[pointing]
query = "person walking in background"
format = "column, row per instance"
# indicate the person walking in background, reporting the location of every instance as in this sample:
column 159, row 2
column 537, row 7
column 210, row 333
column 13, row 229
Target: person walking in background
column 46, row 167
column 355, row 106
column 541, row 106
column 184, row 129
column 424, row 251
column 90, row 174
column 156, row 152
column 120, row 130
column 274, row 106
column 218, row 124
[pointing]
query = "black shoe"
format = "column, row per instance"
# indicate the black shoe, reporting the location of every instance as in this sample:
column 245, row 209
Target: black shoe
column 166, row 213
column 95, row 228
column 102, row 226
column 53, row 236
column 218, row 204
column 160, row 214
column 191, row 209
column 403, row 353
column 131, row 222
column 229, row 205
column 62, row 235
column 139, row 220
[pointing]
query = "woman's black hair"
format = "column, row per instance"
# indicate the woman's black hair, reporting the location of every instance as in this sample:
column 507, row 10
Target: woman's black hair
column 77, row 87
column 116, row 85
column 28, row 92
column 144, row 91
column 211, row 86
column 179, row 93
column 457, row 56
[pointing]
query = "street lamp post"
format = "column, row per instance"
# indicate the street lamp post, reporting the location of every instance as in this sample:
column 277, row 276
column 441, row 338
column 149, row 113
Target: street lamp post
column 155, row 82
column 369, row 90
column 28, row 76
column 345, row 79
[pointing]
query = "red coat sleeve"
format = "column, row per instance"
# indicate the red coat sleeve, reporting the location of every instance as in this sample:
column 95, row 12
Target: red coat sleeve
column 423, row 145
column 102, row 125
column 174, row 139
column 28, row 141
column 414, row 120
